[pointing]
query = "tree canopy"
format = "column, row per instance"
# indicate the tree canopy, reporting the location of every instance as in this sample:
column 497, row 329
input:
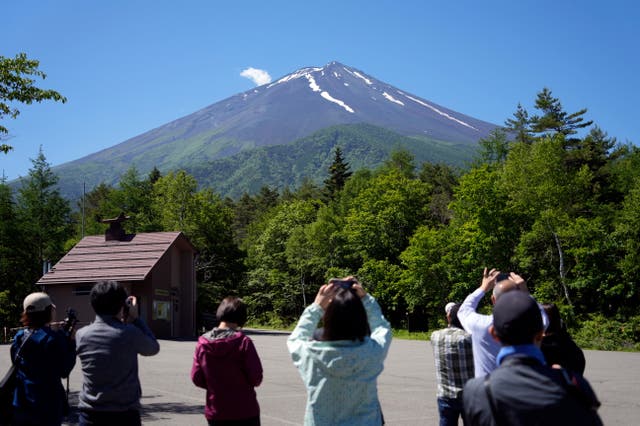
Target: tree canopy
column 17, row 85
column 558, row 207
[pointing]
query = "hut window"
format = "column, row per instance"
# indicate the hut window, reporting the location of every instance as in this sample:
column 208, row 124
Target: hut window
column 82, row 290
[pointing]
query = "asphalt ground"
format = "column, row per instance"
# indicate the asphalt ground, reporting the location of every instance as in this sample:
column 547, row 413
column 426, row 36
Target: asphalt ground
column 407, row 386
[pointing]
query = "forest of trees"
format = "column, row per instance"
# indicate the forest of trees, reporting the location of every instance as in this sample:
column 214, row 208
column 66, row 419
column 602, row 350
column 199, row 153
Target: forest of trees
column 550, row 196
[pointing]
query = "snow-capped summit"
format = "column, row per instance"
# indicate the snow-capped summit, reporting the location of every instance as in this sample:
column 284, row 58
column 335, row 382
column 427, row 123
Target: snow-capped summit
column 287, row 109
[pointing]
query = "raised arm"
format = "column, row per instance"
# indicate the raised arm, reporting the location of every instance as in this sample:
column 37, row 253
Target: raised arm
column 380, row 327
column 469, row 318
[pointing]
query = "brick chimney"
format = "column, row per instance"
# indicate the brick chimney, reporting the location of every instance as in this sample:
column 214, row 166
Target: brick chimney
column 115, row 232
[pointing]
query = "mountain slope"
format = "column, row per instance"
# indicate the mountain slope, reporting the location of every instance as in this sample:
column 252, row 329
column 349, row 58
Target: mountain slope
column 363, row 145
column 278, row 113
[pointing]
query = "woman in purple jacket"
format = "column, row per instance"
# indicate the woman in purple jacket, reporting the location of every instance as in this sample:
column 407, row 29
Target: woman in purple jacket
column 227, row 365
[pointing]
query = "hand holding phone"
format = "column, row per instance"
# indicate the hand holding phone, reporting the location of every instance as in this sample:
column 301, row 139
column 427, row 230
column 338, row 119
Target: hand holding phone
column 130, row 309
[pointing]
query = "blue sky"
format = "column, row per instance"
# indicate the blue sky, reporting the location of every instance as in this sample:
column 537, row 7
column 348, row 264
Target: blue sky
column 129, row 66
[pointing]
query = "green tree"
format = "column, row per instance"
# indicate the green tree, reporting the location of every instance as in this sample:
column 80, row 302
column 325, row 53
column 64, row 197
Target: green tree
column 520, row 125
column 628, row 235
column 94, row 206
column 554, row 119
column 15, row 259
column 45, row 213
column 276, row 281
column 338, row 174
column 249, row 209
column 442, row 179
column 426, row 277
column 597, row 151
column 384, row 215
column 18, row 86
column 174, row 202
column 154, row 175
column 134, row 197
column 402, row 161
column 494, row 148
column 541, row 187
column 219, row 268
column 483, row 231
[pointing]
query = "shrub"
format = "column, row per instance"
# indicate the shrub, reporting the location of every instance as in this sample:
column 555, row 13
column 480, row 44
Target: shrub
column 601, row 333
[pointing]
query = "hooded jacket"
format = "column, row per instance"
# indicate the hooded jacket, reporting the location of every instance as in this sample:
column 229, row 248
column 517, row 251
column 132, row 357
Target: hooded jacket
column 228, row 367
column 341, row 375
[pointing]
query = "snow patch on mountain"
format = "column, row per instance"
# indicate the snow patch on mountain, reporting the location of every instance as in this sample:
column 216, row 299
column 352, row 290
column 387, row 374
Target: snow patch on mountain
column 312, row 83
column 357, row 74
column 392, row 99
column 444, row 114
column 314, row 87
column 298, row 74
column 366, row 80
column 337, row 101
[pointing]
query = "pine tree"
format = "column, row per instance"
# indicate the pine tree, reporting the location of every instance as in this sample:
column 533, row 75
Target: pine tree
column 554, row 118
column 46, row 214
column 520, row 125
column 338, row 174
column 154, row 175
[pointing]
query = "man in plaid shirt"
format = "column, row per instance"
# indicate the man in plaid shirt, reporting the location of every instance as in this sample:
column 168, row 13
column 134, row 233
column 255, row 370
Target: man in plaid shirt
column 454, row 365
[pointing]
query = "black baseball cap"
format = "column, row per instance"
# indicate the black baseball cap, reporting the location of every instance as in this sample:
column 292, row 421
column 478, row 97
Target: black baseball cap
column 516, row 318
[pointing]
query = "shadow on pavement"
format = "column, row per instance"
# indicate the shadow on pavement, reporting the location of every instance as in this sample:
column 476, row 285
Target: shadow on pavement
column 150, row 411
column 166, row 410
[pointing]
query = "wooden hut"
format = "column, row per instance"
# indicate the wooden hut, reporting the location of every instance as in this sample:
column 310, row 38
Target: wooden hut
column 156, row 267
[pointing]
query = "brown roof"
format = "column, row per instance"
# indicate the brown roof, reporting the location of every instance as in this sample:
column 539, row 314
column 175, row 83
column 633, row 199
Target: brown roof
column 94, row 259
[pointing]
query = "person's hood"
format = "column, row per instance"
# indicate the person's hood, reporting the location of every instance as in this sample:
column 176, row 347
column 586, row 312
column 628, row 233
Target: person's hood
column 221, row 347
column 343, row 358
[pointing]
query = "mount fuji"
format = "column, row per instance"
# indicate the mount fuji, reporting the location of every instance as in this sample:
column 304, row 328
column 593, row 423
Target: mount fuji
column 297, row 119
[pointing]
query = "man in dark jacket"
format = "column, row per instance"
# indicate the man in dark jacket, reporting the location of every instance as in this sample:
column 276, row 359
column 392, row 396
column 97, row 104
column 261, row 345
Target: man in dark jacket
column 108, row 350
column 523, row 390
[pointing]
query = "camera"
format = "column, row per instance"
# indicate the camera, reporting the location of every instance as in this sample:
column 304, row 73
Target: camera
column 346, row 284
column 70, row 321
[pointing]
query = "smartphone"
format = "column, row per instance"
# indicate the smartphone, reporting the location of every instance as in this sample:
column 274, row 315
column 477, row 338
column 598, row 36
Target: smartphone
column 125, row 309
column 502, row 276
column 346, row 284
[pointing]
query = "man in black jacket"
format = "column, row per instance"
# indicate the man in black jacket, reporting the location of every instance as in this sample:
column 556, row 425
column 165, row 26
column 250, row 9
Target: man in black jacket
column 523, row 390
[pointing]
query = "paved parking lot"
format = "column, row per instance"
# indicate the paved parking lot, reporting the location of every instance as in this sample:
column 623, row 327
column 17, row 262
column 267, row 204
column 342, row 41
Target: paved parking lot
column 407, row 385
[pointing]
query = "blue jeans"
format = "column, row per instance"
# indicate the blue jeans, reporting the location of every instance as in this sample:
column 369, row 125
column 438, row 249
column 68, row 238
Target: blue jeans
column 450, row 409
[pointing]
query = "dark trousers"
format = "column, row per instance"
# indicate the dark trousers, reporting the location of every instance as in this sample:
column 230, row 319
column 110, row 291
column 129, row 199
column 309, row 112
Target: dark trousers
column 450, row 409
column 109, row 418
column 253, row 421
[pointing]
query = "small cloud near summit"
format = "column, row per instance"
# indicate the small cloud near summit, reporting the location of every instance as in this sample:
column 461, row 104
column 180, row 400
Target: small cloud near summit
column 259, row 77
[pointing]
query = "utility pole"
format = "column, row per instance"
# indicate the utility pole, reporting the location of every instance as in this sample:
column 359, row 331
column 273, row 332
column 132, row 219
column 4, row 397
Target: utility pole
column 83, row 193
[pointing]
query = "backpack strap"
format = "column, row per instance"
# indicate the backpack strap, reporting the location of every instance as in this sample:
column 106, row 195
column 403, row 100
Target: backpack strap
column 24, row 340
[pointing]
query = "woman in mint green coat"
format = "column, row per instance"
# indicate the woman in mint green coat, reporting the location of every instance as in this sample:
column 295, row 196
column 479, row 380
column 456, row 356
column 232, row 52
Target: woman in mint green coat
column 340, row 368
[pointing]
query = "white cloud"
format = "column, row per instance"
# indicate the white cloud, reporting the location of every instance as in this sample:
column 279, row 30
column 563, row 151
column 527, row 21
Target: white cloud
column 259, row 77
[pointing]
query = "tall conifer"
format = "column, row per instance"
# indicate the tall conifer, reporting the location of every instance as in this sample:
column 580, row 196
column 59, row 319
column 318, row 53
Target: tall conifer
column 338, row 174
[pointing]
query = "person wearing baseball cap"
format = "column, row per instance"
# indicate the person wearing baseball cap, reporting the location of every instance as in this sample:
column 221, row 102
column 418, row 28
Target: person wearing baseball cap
column 42, row 356
column 37, row 302
column 523, row 390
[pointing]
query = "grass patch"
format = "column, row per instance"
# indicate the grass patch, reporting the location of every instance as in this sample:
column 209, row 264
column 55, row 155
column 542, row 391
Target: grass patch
column 261, row 326
column 397, row 333
column 411, row 335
